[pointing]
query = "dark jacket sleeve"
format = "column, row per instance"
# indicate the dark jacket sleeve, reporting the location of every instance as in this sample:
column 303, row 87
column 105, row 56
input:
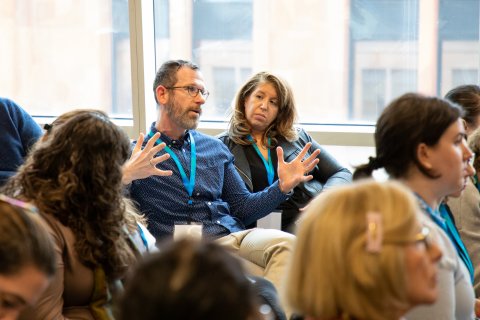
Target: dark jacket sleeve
column 328, row 171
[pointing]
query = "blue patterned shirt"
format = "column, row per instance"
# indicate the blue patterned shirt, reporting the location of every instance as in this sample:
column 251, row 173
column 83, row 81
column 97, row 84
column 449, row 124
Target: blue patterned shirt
column 220, row 199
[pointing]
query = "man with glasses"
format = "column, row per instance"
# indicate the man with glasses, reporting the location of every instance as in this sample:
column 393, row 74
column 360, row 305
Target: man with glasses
column 205, row 195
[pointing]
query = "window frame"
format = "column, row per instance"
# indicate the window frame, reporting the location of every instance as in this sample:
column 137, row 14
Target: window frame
column 142, row 46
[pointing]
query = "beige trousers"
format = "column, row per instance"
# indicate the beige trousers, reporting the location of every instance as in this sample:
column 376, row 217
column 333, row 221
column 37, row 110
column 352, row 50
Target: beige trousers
column 267, row 250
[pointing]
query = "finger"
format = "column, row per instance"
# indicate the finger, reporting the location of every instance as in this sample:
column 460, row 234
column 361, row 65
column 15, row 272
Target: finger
column 163, row 173
column 280, row 154
column 311, row 165
column 161, row 158
column 157, row 149
column 304, row 150
column 311, row 158
column 307, row 178
column 151, row 141
column 139, row 143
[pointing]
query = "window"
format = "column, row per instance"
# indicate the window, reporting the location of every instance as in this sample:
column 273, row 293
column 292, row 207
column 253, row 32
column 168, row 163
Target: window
column 344, row 59
column 59, row 55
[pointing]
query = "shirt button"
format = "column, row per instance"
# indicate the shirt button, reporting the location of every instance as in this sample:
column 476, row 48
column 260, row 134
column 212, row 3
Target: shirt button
column 209, row 203
column 218, row 221
column 198, row 193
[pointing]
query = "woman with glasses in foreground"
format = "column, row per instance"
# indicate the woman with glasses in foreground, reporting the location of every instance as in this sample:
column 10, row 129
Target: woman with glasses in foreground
column 362, row 253
column 177, row 283
column 27, row 257
column 420, row 141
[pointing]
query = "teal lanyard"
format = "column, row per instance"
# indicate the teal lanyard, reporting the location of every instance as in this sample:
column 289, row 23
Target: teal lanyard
column 267, row 163
column 143, row 237
column 188, row 183
column 433, row 214
column 443, row 219
column 452, row 232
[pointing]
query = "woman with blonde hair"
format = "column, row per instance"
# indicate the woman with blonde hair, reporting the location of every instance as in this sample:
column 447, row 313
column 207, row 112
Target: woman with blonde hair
column 368, row 255
column 263, row 118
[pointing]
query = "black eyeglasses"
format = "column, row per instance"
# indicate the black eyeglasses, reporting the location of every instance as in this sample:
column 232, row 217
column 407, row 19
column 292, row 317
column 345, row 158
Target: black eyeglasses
column 192, row 91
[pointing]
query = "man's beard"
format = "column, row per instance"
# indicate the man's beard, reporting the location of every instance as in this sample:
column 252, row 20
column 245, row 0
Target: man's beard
column 179, row 116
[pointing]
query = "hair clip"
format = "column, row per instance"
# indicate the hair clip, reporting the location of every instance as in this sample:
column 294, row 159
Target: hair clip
column 47, row 126
column 374, row 232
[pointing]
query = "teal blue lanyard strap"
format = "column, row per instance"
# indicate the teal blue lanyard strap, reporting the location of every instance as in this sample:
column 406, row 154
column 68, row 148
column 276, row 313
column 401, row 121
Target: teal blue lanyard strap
column 188, row 183
column 267, row 163
column 452, row 232
column 442, row 218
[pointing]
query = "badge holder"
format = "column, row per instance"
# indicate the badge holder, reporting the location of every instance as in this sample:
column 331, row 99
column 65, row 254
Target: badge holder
column 191, row 231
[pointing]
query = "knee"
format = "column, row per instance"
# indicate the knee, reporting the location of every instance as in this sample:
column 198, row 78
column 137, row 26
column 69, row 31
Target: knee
column 282, row 239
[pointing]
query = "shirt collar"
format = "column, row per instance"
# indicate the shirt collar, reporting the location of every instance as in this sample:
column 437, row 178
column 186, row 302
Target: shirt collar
column 171, row 143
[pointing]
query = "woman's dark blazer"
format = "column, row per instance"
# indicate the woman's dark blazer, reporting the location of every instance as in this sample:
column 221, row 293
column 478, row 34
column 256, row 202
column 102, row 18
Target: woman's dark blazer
column 326, row 174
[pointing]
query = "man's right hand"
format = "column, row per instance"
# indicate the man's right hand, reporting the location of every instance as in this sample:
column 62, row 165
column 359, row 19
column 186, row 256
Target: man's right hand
column 143, row 163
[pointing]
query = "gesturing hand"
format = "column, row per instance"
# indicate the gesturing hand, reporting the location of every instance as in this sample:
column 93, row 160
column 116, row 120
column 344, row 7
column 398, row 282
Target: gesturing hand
column 292, row 173
column 142, row 162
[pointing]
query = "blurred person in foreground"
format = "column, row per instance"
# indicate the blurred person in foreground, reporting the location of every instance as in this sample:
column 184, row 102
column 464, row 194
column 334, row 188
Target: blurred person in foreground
column 189, row 280
column 27, row 257
column 17, row 135
column 362, row 253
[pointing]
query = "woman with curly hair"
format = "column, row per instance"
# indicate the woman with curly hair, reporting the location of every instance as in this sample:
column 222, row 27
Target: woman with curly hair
column 75, row 179
column 263, row 118
column 137, row 167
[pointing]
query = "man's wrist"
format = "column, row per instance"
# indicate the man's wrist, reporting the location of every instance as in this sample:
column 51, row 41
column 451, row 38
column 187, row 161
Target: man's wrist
column 126, row 178
column 282, row 188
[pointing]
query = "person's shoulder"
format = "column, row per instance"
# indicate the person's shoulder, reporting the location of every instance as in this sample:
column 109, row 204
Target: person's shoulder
column 449, row 254
column 302, row 137
column 302, row 133
column 57, row 230
column 224, row 137
column 11, row 105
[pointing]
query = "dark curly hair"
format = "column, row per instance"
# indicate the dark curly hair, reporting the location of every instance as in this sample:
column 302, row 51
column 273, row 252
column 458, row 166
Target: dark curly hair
column 75, row 175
